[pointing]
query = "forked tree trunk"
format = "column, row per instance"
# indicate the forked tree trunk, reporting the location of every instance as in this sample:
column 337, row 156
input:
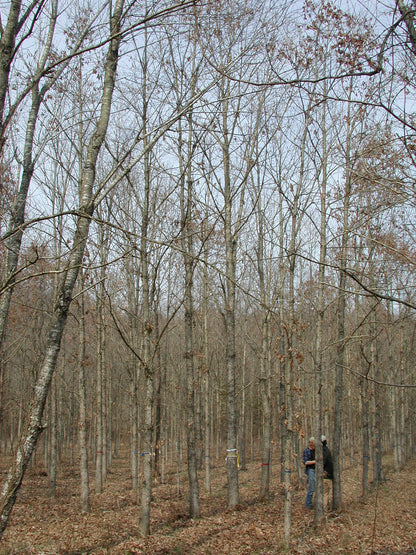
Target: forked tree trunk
column 33, row 424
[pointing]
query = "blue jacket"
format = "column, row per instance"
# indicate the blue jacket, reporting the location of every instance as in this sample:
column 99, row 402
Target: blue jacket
column 308, row 455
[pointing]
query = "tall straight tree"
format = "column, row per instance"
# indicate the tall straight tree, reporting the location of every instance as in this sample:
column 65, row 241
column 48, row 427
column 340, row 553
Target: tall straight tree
column 319, row 493
column 288, row 355
column 147, row 325
column 254, row 151
column 187, row 241
column 82, row 426
column 185, row 156
column 231, row 171
column 351, row 121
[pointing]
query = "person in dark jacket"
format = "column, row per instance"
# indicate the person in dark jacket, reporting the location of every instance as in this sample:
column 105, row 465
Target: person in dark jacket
column 308, row 458
column 327, row 458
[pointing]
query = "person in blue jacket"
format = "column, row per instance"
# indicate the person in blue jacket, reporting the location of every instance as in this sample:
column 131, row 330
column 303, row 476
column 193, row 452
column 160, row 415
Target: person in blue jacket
column 308, row 458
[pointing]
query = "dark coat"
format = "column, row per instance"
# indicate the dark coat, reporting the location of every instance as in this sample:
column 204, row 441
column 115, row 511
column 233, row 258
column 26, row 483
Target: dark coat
column 328, row 466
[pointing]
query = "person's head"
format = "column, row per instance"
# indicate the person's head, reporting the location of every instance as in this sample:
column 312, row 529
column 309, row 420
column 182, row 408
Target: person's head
column 323, row 439
column 311, row 443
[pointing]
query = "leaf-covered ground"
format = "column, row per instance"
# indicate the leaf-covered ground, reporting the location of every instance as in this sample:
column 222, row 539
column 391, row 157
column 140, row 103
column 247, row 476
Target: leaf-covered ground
column 384, row 523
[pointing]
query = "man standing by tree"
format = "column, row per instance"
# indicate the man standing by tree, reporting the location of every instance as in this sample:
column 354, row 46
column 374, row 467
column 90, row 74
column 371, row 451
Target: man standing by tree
column 308, row 457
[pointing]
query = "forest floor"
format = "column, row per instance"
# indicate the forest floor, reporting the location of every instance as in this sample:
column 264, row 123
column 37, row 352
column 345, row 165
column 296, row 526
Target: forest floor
column 383, row 523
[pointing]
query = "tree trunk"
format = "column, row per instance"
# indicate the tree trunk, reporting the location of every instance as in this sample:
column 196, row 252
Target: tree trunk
column 53, row 432
column 233, row 496
column 243, row 416
column 319, row 485
column 206, row 374
column 339, row 374
column 265, row 373
column 82, row 433
column 147, row 330
column 185, row 168
column 366, row 434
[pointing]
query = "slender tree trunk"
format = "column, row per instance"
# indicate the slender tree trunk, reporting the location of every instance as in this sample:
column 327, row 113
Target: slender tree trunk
column 243, row 438
column 158, row 399
column 99, row 403
column 339, row 375
column 101, row 389
column 194, row 509
column 288, row 343
column 265, row 374
column 233, row 496
column 134, row 443
column 374, row 367
column 185, row 168
column 402, row 435
column 288, row 370
column 82, row 433
column 147, row 331
column 378, row 471
column 33, row 424
column 206, row 370
column 319, row 485
column 134, row 373
column 53, row 432
column 366, row 437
